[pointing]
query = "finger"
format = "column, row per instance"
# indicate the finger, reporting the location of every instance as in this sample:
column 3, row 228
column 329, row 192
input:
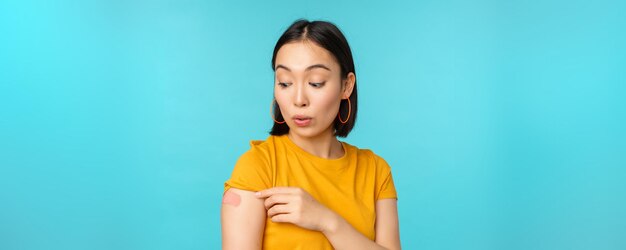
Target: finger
column 277, row 199
column 285, row 218
column 278, row 209
column 276, row 190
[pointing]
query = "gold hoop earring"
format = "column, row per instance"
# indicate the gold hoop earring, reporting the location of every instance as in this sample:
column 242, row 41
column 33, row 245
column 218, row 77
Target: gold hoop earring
column 349, row 110
column 272, row 112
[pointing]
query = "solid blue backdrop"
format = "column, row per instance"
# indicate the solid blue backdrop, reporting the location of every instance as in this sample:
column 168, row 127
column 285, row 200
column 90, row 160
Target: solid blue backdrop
column 503, row 122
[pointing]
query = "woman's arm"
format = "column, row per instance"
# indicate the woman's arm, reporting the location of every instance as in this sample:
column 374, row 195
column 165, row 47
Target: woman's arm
column 243, row 220
column 294, row 205
column 387, row 226
column 343, row 236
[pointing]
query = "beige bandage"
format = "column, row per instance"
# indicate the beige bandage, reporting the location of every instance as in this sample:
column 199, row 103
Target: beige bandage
column 231, row 198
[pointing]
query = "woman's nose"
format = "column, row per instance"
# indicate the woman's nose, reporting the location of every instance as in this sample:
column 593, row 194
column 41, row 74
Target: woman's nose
column 301, row 99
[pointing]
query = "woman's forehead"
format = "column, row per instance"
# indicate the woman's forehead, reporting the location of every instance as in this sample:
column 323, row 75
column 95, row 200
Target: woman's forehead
column 298, row 56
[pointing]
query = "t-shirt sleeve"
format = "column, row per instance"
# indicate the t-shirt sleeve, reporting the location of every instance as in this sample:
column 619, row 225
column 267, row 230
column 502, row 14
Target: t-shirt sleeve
column 251, row 172
column 384, row 181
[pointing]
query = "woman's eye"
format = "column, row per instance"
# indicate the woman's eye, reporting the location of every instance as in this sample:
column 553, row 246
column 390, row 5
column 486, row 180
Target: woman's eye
column 283, row 84
column 317, row 84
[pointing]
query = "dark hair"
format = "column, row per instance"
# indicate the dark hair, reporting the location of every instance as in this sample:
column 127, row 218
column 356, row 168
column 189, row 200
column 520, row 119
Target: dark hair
column 329, row 37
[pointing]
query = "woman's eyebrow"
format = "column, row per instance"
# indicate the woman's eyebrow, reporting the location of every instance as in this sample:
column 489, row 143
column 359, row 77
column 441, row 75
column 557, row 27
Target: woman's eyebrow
column 321, row 66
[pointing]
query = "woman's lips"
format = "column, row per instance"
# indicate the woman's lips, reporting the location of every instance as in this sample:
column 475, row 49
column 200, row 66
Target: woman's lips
column 302, row 122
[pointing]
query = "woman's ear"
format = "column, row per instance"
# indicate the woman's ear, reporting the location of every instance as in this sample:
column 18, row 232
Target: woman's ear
column 348, row 85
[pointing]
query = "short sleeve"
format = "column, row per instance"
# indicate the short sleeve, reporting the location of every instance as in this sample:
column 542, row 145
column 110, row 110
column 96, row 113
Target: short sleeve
column 384, row 180
column 251, row 172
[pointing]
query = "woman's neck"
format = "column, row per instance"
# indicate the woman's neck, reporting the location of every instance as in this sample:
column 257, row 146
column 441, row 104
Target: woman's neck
column 324, row 145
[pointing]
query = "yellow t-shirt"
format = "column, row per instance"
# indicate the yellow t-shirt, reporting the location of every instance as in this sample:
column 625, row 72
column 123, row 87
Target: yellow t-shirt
column 349, row 185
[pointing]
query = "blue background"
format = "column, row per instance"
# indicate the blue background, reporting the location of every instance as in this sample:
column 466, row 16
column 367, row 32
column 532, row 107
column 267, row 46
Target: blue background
column 503, row 121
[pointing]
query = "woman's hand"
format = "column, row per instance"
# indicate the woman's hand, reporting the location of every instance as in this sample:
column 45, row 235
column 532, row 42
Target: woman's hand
column 294, row 205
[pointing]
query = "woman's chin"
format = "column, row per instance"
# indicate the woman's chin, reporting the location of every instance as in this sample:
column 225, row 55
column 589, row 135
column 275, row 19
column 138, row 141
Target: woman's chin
column 306, row 132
